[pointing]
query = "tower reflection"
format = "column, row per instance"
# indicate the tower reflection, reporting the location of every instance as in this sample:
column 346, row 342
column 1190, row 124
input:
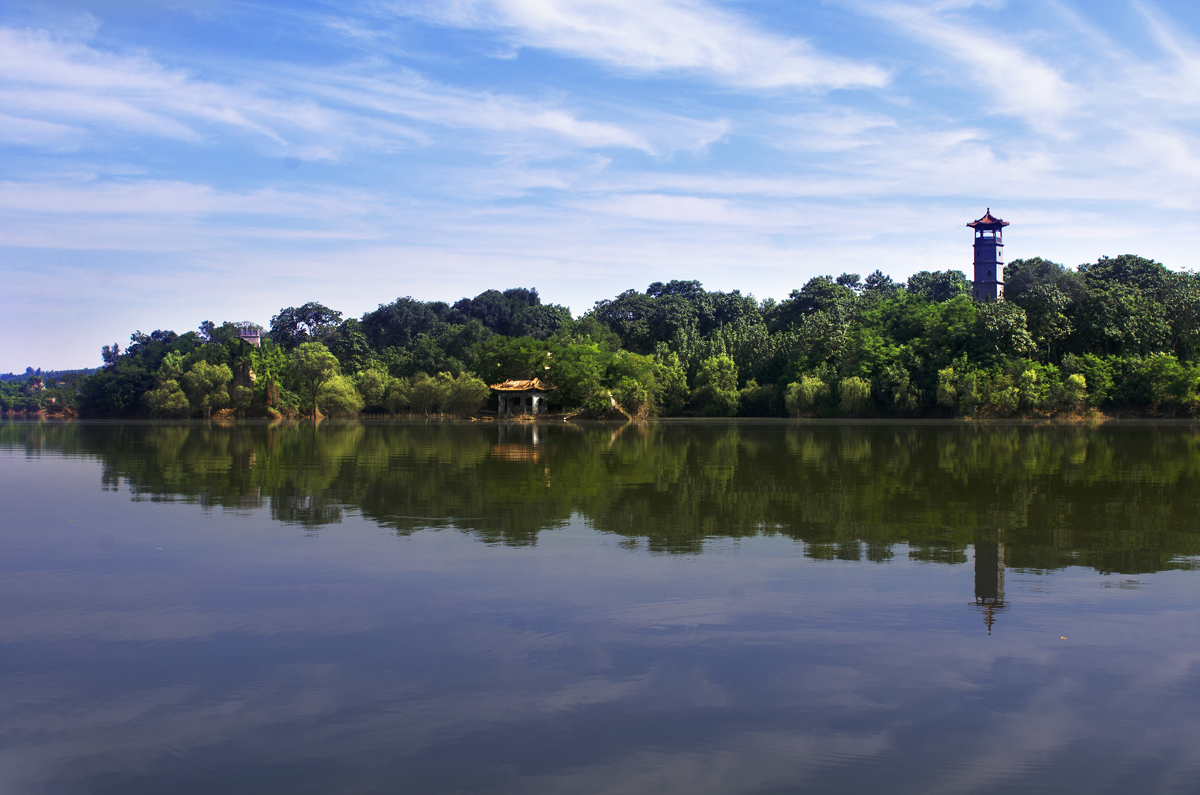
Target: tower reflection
column 989, row 578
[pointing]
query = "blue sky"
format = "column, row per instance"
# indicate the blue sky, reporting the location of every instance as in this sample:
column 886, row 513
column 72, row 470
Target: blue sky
column 163, row 163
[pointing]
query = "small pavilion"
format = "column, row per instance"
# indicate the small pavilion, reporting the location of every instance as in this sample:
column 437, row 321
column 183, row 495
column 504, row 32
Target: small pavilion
column 522, row 397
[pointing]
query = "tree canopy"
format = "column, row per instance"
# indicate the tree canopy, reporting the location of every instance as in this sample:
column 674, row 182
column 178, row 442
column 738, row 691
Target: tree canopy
column 1118, row 334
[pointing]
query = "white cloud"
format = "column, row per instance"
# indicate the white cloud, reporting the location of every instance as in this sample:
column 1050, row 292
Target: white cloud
column 28, row 132
column 311, row 113
column 658, row 36
column 1022, row 83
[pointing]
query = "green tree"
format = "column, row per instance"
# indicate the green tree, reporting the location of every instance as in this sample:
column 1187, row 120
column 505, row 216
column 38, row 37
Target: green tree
column 672, row 381
column 1074, row 393
column 464, row 395
column 313, row 366
column 425, row 393
column 1002, row 330
column 398, row 395
column 855, row 394
column 207, row 386
column 1045, row 309
column 939, row 285
column 168, row 400
column 1097, row 374
column 716, row 392
column 294, row 325
column 805, row 395
column 340, row 398
column 372, row 386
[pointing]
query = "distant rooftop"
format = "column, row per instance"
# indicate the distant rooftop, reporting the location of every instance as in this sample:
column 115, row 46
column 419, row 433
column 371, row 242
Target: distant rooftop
column 534, row 385
column 988, row 220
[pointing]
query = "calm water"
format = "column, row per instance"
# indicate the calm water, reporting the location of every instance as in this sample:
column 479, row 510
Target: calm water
column 710, row 608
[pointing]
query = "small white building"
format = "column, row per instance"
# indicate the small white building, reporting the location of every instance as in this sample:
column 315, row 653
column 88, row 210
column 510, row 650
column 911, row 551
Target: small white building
column 522, row 397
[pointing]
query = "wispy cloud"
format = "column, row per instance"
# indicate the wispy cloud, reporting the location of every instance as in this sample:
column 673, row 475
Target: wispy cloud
column 1021, row 83
column 658, row 36
column 314, row 113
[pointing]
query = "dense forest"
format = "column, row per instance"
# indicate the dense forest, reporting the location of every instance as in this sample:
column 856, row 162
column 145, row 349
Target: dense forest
column 1118, row 335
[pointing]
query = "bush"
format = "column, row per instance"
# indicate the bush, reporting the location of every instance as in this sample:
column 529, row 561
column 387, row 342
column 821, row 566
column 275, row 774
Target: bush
column 339, row 398
column 372, row 385
column 633, row 396
column 1074, row 392
column 716, row 393
column 206, row 386
column 759, row 401
column 803, row 396
column 1096, row 372
column 462, row 396
column 396, row 398
column 168, row 400
column 424, row 394
column 855, row 394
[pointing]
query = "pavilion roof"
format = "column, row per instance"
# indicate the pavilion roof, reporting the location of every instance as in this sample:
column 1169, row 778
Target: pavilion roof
column 988, row 220
column 533, row 385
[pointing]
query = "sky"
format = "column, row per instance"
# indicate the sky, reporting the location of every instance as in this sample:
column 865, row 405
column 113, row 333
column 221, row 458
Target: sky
column 163, row 163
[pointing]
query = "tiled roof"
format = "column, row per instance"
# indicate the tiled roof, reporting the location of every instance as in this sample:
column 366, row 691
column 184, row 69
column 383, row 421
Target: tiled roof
column 536, row 385
column 988, row 220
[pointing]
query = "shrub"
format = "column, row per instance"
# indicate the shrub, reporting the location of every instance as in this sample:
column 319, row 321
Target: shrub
column 339, row 398
column 1074, row 392
column 855, row 394
column 803, row 396
column 633, row 396
column 462, row 396
column 206, row 386
column 716, row 392
column 168, row 400
column 396, row 398
column 372, row 385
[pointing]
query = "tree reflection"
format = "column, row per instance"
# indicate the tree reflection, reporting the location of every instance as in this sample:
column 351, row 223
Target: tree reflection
column 1116, row 498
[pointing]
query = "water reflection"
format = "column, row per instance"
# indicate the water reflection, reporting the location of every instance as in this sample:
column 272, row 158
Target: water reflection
column 989, row 578
column 665, row 610
column 1120, row 499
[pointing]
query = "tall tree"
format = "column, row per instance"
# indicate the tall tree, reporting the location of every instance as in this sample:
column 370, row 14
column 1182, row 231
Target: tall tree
column 295, row 325
column 313, row 367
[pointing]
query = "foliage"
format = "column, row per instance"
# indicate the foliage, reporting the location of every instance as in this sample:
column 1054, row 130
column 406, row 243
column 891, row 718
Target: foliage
column 168, row 400
column 313, row 367
column 716, row 392
column 1127, row 326
column 294, row 325
column 207, row 386
column 339, row 398
column 854, row 393
column 805, row 395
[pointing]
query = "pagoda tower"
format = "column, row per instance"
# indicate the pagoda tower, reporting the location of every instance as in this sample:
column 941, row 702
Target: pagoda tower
column 989, row 257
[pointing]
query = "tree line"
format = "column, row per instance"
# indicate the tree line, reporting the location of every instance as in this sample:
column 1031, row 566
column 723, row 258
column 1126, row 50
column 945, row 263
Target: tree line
column 1118, row 335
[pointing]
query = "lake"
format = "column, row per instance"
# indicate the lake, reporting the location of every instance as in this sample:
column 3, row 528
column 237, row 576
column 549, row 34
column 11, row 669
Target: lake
column 771, row 607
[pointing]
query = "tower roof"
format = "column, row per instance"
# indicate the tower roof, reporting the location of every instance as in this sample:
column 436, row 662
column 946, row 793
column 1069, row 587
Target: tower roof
column 988, row 220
